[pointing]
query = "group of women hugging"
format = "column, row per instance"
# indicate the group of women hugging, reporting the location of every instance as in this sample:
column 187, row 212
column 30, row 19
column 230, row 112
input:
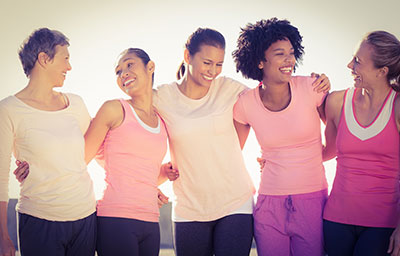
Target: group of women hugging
column 206, row 119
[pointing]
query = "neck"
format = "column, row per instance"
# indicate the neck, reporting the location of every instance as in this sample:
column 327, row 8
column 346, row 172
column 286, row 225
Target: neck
column 191, row 89
column 143, row 101
column 275, row 90
column 377, row 91
column 38, row 88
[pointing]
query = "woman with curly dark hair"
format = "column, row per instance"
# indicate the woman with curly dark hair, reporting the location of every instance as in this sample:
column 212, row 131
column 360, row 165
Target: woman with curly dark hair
column 285, row 113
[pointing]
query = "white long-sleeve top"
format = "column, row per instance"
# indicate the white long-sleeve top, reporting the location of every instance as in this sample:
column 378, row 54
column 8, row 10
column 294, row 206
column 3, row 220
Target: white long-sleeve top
column 58, row 187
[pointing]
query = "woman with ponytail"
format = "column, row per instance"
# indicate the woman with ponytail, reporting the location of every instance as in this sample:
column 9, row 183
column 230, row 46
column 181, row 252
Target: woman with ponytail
column 363, row 123
column 212, row 211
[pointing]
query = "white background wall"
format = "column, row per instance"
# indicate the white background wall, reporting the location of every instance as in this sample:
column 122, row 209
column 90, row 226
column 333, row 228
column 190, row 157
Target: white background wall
column 99, row 30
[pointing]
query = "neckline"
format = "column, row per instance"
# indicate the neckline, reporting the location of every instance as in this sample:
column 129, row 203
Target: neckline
column 45, row 111
column 376, row 117
column 188, row 99
column 143, row 124
column 260, row 102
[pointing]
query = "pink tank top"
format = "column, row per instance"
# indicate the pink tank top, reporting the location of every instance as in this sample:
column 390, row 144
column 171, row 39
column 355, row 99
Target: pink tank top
column 366, row 187
column 131, row 156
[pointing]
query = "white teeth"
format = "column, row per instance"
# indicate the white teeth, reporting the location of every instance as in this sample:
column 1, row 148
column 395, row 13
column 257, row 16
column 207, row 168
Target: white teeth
column 208, row 78
column 286, row 69
column 129, row 81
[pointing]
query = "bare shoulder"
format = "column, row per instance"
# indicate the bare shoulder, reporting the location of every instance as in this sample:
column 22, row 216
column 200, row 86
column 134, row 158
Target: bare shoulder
column 335, row 99
column 334, row 104
column 111, row 112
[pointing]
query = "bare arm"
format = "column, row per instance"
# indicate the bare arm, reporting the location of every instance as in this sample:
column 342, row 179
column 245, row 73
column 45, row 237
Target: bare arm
column 333, row 107
column 242, row 131
column 109, row 116
column 6, row 245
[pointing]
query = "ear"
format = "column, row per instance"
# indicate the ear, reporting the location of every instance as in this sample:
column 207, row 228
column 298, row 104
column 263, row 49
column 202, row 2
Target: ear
column 151, row 66
column 261, row 65
column 42, row 59
column 186, row 56
column 383, row 72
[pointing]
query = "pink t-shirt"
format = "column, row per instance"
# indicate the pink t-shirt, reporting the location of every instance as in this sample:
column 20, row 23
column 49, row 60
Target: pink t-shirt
column 366, row 187
column 290, row 139
column 131, row 155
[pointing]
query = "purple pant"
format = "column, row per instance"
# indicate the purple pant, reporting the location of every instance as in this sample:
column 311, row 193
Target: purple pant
column 290, row 224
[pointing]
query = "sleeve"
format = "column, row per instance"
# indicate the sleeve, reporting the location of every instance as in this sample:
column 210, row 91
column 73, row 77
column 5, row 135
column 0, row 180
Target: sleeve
column 7, row 140
column 83, row 114
column 317, row 97
column 239, row 113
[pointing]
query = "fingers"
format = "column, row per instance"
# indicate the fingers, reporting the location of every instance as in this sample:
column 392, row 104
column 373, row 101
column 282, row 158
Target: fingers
column 162, row 199
column 172, row 174
column 321, row 83
column 22, row 170
column 261, row 161
column 390, row 249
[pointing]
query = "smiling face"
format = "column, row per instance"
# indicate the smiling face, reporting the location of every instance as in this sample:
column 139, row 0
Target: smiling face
column 279, row 62
column 132, row 74
column 362, row 66
column 205, row 65
column 59, row 65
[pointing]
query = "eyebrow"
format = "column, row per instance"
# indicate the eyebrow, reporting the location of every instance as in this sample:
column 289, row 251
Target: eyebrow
column 281, row 49
column 211, row 60
column 125, row 60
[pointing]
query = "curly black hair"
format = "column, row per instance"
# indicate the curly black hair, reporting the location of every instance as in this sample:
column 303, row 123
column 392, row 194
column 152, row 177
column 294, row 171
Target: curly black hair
column 255, row 39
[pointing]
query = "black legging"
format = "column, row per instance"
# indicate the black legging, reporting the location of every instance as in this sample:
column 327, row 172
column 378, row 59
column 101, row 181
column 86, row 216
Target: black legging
column 130, row 237
column 229, row 236
column 351, row 240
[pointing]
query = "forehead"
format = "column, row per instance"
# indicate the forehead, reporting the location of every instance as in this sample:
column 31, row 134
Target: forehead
column 125, row 57
column 280, row 44
column 61, row 50
column 364, row 50
column 211, row 52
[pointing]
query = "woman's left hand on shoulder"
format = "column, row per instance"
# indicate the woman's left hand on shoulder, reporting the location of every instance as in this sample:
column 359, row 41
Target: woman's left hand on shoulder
column 321, row 83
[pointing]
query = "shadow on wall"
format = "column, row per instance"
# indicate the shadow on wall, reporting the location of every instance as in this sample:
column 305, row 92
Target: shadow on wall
column 165, row 224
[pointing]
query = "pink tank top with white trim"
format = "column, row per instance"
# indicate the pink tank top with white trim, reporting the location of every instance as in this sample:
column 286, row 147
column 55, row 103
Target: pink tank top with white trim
column 366, row 187
column 131, row 156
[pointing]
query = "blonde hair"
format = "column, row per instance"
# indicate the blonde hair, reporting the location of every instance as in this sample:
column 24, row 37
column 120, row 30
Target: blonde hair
column 386, row 54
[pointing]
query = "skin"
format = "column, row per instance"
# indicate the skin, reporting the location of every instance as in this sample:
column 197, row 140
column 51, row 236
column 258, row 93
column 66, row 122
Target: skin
column 275, row 94
column 368, row 101
column 46, row 75
column 207, row 63
column 135, row 79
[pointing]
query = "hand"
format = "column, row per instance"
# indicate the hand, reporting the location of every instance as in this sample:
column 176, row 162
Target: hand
column 7, row 247
column 22, row 170
column 321, row 83
column 261, row 162
column 172, row 174
column 162, row 199
column 394, row 244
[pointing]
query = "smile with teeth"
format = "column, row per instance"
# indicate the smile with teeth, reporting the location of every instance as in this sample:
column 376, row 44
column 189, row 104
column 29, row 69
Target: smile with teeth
column 127, row 82
column 286, row 69
column 209, row 78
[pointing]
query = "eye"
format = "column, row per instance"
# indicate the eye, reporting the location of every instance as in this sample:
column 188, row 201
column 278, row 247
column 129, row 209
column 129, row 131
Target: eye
column 219, row 64
column 118, row 72
column 207, row 63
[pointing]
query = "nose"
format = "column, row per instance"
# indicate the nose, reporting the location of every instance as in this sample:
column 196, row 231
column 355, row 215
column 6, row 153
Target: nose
column 350, row 65
column 69, row 67
column 212, row 70
column 124, row 73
